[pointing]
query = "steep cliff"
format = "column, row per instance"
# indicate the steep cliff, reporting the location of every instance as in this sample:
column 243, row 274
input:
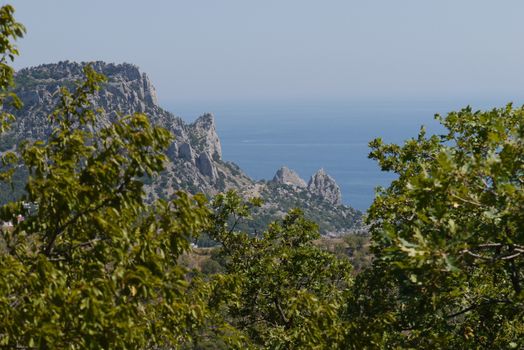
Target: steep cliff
column 326, row 187
column 286, row 176
column 195, row 157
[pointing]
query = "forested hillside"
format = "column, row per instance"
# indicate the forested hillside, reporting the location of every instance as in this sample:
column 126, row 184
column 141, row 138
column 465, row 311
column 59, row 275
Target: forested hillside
column 90, row 260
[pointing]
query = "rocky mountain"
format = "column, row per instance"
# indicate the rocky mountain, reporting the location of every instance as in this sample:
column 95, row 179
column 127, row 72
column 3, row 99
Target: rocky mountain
column 195, row 159
column 326, row 187
column 286, row 176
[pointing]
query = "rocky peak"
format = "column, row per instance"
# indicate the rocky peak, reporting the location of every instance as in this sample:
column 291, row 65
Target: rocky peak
column 125, row 81
column 149, row 90
column 206, row 136
column 326, row 187
column 193, row 162
column 126, row 90
column 287, row 176
column 66, row 70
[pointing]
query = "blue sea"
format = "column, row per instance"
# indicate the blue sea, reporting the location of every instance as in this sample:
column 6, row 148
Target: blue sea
column 306, row 136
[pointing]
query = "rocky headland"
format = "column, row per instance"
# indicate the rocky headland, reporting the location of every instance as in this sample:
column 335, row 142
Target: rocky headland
column 195, row 162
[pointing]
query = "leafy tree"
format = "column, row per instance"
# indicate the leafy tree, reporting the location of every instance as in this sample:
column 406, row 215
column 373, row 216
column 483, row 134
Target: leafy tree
column 94, row 266
column 10, row 30
column 448, row 237
column 290, row 290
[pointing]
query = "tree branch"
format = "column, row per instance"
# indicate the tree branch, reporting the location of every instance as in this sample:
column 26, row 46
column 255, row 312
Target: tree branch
column 281, row 312
column 474, row 306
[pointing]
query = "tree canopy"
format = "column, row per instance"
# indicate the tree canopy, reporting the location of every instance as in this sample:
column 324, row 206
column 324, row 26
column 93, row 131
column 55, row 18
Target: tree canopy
column 448, row 231
column 88, row 264
column 291, row 291
column 94, row 266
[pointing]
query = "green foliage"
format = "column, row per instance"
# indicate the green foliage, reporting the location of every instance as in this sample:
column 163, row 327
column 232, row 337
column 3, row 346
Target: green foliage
column 10, row 30
column 291, row 291
column 95, row 267
column 353, row 246
column 449, row 234
column 210, row 267
column 281, row 199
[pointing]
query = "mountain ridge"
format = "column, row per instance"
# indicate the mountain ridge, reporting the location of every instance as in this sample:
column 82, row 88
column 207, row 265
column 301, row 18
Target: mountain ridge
column 195, row 159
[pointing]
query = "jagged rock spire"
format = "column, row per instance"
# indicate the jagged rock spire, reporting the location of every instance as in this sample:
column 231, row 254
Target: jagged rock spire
column 326, row 187
column 287, row 176
column 205, row 130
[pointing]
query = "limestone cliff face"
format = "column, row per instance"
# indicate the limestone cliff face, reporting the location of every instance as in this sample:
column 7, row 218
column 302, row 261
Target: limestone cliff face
column 205, row 165
column 195, row 155
column 195, row 161
column 320, row 184
column 185, row 152
column 326, row 187
column 205, row 131
column 126, row 91
column 126, row 88
column 287, row 176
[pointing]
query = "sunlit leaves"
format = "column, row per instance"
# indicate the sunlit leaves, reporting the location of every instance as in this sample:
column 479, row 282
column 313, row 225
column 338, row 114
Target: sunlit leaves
column 291, row 292
column 10, row 30
column 448, row 230
column 95, row 266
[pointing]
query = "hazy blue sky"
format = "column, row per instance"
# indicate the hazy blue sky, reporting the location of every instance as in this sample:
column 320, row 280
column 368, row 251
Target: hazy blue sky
column 241, row 50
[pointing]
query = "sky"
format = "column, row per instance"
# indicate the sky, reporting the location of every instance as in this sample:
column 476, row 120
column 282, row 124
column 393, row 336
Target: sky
column 280, row 50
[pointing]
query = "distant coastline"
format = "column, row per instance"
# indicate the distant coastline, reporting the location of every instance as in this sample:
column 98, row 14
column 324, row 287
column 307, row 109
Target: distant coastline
column 262, row 138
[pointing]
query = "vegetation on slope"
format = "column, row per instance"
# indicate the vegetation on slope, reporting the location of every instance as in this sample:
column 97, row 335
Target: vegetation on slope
column 91, row 265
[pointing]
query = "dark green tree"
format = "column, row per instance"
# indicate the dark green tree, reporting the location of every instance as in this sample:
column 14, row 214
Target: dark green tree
column 448, row 237
column 10, row 30
column 291, row 292
column 92, row 265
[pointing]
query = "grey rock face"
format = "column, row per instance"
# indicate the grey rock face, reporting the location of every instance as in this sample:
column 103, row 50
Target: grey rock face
column 149, row 91
column 185, row 152
column 126, row 90
column 326, row 187
column 205, row 165
column 287, row 176
column 193, row 161
column 172, row 151
column 205, row 131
